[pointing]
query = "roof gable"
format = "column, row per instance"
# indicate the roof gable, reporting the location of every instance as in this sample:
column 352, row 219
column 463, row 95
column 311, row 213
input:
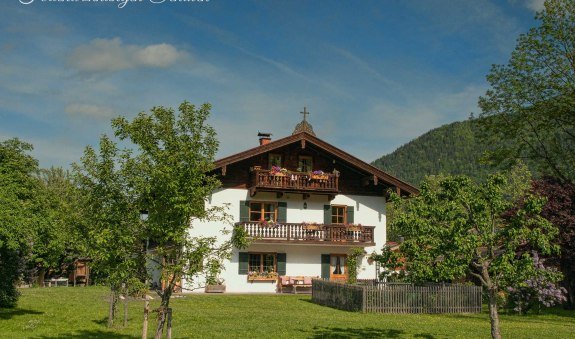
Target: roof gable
column 305, row 138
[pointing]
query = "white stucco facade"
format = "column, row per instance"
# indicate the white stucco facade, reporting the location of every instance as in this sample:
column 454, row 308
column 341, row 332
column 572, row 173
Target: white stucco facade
column 301, row 259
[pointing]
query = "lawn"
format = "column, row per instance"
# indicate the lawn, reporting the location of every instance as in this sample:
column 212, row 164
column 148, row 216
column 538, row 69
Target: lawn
column 67, row 312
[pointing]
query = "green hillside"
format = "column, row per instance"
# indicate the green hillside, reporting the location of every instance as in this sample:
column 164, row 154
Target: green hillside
column 449, row 149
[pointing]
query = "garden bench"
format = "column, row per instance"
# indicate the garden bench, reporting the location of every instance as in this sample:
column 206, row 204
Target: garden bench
column 295, row 282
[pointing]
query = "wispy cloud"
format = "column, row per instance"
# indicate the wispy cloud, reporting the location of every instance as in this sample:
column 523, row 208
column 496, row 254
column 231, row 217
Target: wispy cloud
column 109, row 55
column 363, row 65
column 90, row 111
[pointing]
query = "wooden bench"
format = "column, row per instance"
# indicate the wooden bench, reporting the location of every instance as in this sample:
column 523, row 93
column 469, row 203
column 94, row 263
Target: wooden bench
column 295, row 282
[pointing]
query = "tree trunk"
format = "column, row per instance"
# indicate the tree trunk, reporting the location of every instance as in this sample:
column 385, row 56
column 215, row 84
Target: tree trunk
column 112, row 309
column 41, row 276
column 146, row 313
column 494, row 314
column 163, row 309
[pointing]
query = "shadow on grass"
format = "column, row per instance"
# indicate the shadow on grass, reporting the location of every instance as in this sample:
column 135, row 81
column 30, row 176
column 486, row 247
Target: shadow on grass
column 366, row 332
column 88, row 334
column 9, row 313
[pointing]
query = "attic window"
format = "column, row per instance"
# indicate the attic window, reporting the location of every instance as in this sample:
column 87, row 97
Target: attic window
column 305, row 163
column 275, row 160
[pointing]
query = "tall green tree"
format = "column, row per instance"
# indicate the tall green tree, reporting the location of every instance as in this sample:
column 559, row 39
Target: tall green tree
column 18, row 214
column 532, row 98
column 106, row 180
column 456, row 228
column 58, row 236
column 177, row 152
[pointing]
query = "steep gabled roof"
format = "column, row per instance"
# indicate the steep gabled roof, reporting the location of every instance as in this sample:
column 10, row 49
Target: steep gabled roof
column 305, row 137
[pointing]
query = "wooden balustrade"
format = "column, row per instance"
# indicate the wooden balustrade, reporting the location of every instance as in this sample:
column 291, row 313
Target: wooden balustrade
column 305, row 233
column 296, row 181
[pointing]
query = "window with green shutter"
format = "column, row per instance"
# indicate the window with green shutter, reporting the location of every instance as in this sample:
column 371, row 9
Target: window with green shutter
column 282, row 212
column 349, row 215
column 325, row 266
column 243, row 263
column 244, row 211
column 281, row 257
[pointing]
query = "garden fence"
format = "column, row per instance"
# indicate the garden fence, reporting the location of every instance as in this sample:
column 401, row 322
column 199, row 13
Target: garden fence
column 398, row 298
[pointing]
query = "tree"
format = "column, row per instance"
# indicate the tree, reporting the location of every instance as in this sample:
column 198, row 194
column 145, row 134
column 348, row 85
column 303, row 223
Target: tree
column 115, row 236
column 532, row 98
column 58, row 237
column 456, row 227
column 176, row 153
column 18, row 214
column 560, row 210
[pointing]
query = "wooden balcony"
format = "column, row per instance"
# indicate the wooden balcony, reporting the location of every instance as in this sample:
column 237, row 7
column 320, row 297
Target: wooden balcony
column 310, row 234
column 294, row 181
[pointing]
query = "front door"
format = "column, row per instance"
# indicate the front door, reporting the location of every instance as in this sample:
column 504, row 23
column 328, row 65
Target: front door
column 338, row 267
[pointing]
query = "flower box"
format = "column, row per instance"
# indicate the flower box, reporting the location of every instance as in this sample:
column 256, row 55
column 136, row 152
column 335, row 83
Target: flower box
column 257, row 278
column 215, row 288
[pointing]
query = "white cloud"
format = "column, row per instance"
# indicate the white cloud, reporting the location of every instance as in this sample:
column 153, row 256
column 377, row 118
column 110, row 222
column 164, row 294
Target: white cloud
column 90, row 111
column 535, row 5
column 109, row 55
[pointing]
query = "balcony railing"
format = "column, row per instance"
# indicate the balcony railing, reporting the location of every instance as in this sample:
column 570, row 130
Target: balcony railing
column 312, row 234
column 296, row 181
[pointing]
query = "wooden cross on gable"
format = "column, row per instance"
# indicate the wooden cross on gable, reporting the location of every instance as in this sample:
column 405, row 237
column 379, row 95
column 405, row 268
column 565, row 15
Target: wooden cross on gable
column 305, row 112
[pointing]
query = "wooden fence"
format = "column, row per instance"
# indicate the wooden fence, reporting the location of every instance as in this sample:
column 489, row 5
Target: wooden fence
column 398, row 298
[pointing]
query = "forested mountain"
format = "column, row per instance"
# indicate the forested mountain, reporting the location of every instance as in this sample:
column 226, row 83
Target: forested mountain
column 449, row 149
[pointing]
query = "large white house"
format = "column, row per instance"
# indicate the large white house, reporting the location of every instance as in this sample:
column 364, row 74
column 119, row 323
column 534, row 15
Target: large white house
column 305, row 204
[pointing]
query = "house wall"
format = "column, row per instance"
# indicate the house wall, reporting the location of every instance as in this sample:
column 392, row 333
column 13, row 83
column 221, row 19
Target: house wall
column 301, row 259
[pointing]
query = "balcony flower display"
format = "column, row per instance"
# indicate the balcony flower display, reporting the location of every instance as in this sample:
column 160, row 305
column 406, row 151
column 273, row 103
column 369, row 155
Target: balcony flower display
column 354, row 227
column 311, row 226
column 319, row 175
column 280, row 171
column 267, row 223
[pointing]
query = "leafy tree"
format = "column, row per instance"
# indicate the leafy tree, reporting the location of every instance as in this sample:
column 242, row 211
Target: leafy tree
column 456, row 227
column 532, row 98
column 58, row 237
column 18, row 214
column 115, row 237
column 177, row 153
column 560, row 210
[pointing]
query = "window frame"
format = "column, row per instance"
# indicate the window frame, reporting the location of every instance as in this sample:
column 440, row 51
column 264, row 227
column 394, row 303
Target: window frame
column 262, row 261
column 262, row 210
column 307, row 157
column 271, row 157
column 336, row 215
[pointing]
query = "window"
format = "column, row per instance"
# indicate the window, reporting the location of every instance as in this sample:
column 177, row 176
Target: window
column 262, row 262
column 305, row 163
column 263, row 211
column 338, row 214
column 275, row 160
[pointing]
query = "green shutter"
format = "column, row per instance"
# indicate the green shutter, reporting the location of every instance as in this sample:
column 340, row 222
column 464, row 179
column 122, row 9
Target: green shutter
column 327, row 214
column 325, row 266
column 282, row 212
column 281, row 263
column 243, row 263
column 349, row 214
column 244, row 211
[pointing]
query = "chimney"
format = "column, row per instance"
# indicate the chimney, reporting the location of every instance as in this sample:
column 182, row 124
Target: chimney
column 265, row 138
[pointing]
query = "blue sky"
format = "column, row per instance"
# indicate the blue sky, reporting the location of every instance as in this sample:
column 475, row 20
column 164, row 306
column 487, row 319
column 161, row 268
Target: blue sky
column 373, row 74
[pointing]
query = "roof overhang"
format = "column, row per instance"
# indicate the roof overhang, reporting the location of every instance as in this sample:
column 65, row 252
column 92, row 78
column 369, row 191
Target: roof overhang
column 304, row 138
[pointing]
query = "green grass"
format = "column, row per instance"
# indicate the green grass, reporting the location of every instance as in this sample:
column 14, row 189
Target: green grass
column 81, row 313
